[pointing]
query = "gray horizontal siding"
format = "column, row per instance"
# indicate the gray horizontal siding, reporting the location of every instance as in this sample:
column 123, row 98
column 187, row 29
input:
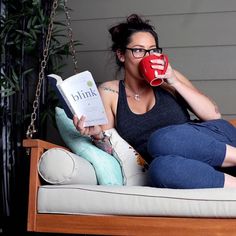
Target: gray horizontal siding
column 97, row 9
column 198, row 30
column 222, row 93
column 198, row 35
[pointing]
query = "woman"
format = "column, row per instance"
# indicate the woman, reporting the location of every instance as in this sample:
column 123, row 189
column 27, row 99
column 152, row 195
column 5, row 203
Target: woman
column 155, row 120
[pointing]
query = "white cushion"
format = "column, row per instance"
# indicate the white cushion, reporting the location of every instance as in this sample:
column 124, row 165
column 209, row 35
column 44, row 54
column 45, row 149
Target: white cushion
column 137, row 200
column 132, row 164
column 59, row 166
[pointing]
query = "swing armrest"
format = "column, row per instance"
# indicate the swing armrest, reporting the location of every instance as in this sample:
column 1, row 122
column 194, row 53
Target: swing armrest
column 233, row 122
column 38, row 143
column 36, row 148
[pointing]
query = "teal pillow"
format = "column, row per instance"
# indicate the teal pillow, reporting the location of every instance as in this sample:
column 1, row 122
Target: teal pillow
column 107, row 168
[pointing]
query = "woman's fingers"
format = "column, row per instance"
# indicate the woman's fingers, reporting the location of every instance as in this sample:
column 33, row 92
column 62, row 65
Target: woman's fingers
column 158, row 61
column 158, row 64
column 79, row 123
column 87, row 131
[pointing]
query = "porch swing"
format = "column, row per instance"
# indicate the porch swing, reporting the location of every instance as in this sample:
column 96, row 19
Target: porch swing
column 177, row 212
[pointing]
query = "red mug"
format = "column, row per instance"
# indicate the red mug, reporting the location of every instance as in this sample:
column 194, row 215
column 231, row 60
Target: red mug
column 149, row 73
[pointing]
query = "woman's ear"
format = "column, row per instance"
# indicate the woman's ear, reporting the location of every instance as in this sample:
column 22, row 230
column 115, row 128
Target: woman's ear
column 120, row 55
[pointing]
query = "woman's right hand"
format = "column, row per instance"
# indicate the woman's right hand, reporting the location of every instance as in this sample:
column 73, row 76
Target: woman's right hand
column 170, row 76
column 90, row 130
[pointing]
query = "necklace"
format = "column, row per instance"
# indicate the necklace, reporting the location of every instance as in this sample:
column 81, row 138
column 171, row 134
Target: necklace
column 136, row 96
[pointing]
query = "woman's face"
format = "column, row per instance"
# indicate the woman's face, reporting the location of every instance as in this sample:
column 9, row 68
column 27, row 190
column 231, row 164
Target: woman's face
column 141, row 40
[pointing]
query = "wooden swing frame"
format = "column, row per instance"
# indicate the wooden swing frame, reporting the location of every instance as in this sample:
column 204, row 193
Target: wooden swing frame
column 112, row 224
column 103, row 224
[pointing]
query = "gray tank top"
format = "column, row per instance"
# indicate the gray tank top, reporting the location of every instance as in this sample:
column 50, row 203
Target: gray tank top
column 136, row 128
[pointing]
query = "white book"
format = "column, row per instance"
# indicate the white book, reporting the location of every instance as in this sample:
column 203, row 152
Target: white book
column 82, row 97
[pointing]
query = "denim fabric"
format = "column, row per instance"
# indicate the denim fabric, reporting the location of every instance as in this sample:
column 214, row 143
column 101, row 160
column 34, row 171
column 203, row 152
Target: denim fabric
column 186, row 155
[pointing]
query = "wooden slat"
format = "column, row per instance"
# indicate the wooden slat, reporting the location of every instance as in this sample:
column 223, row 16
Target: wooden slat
column 34, row 182
column 126, row 225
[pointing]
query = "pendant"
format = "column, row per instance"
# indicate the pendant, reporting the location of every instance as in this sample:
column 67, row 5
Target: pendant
column 137, row 97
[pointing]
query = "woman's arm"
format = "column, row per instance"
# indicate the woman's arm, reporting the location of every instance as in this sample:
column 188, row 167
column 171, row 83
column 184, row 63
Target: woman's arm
column 201, row 105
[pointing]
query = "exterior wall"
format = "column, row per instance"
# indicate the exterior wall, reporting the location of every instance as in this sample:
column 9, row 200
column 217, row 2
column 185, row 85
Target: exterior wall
column 198, row 35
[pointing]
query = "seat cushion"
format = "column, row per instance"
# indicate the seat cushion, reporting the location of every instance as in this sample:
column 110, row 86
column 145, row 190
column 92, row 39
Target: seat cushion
column 137, row 200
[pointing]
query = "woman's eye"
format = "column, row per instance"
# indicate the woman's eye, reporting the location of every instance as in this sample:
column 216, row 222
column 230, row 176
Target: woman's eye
column 156, row 50
column 138, row 50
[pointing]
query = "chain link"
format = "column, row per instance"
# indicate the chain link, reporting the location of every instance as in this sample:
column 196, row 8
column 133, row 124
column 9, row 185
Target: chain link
column 31, row 128
column 70, row 36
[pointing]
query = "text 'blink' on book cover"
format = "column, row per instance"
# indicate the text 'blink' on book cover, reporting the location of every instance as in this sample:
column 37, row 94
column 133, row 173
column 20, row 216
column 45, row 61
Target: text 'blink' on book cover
column 82, row 97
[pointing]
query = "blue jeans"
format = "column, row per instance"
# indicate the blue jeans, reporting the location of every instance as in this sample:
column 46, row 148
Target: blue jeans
column 187, row 155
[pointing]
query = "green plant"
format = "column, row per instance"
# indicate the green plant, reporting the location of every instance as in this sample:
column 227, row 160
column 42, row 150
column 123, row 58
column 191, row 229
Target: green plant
column 24, row 25
column 22, row 39
column 23, row 35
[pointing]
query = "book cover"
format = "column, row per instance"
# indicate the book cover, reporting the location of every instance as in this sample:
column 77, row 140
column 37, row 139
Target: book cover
column 79, row 95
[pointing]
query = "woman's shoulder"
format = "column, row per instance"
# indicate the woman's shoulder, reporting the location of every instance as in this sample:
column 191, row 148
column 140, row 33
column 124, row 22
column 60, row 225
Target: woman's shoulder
column 109, row 83
column 109, row 92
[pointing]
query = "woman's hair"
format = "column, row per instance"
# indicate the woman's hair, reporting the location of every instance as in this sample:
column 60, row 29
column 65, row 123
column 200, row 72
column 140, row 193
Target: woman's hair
column 121, row 33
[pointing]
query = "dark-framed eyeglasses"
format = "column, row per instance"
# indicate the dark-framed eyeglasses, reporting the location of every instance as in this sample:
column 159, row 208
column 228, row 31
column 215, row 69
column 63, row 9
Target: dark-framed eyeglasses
column 141, row 52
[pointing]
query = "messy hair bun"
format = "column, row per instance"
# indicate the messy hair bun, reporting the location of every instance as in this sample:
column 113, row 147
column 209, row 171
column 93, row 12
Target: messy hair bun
column 121, row 33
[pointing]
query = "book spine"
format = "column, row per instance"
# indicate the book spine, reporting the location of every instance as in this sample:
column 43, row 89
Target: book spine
column 66, row 104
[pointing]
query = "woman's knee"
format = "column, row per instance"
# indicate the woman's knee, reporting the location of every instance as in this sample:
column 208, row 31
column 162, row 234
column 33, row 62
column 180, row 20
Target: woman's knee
column 162, row 172
column 174, row 171
column 164, row 140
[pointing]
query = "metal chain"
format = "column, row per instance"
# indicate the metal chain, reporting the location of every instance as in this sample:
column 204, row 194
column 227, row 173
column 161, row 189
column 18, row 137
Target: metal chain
column 31, row 128
column 70, row 36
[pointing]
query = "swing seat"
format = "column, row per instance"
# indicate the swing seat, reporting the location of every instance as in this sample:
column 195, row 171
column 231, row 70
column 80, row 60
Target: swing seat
column 125, row 210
